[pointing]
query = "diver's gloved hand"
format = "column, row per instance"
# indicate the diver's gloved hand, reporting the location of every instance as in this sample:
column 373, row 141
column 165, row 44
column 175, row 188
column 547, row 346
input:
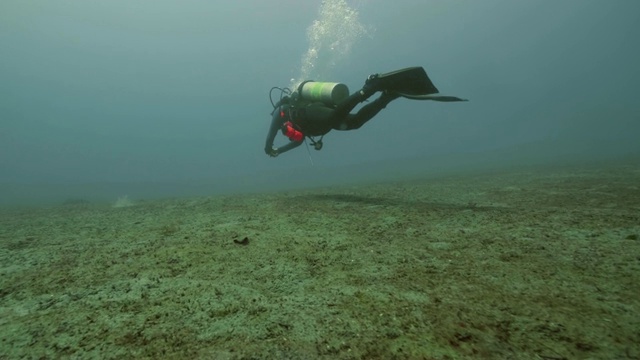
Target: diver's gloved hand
column 273, row 152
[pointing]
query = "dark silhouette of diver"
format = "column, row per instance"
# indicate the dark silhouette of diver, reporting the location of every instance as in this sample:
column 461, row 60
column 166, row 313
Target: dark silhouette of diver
column 312, row 110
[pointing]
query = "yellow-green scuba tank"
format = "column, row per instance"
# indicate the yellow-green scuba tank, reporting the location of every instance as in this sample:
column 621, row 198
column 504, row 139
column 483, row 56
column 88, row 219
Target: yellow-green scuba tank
column 331, row 94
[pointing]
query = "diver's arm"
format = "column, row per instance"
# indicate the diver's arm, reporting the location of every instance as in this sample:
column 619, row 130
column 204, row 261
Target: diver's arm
column 277, row 120
column 276, row 123
column 289, row 146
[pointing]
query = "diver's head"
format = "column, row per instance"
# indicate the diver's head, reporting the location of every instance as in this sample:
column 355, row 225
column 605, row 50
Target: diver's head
column 295, row 96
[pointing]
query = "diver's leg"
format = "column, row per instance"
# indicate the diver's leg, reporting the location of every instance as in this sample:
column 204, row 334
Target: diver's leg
column 344, row 108
column 371, row 86
column 366, row 113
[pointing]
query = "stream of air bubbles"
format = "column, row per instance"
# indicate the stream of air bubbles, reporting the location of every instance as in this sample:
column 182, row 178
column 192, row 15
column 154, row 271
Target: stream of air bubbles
column 331, row 38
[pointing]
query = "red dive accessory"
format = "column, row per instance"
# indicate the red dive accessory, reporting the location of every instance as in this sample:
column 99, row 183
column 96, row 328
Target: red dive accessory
column 289, row 130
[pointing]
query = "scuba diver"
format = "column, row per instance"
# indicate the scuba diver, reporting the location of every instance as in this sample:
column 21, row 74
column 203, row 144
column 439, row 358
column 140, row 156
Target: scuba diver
column 316, row 108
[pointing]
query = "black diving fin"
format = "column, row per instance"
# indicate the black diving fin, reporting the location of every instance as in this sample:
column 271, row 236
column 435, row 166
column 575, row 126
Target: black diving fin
column 442, row 98
column 413, row 83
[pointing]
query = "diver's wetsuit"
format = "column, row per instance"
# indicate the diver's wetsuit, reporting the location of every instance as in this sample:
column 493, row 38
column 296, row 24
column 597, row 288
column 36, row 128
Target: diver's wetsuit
column 317, row 119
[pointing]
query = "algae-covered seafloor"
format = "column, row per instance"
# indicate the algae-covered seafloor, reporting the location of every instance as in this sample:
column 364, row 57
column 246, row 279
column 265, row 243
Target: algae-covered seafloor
column 522, row 264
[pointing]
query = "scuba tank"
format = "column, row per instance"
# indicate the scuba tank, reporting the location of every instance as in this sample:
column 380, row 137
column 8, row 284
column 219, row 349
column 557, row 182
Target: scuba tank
column 331, row 94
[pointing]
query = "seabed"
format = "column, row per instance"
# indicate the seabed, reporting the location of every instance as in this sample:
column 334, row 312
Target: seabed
column 529, row 263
